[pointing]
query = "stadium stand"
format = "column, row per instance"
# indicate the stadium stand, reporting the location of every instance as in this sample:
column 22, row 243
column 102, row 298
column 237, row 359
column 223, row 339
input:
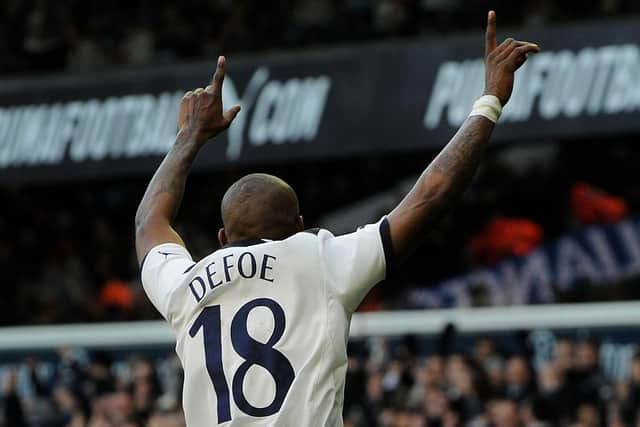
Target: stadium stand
column 82, row 233
column 40, row 36
column 481, row 374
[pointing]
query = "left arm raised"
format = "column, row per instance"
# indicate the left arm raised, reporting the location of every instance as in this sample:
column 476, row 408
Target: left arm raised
column 451, row 171
column 201, row 118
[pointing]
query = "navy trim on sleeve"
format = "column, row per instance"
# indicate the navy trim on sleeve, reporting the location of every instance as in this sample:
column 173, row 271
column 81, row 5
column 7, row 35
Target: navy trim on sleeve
column 189, row 268
column 385, row 236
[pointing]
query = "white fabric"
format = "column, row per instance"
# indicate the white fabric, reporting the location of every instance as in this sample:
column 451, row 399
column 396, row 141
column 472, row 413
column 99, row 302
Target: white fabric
column 488, row 106
column 316, row 280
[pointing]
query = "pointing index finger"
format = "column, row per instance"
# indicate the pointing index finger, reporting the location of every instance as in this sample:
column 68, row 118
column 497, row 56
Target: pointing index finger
column 490, row 36
column 218, row 76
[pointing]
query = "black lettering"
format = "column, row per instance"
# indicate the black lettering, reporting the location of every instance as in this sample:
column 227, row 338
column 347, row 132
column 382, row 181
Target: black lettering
column 194, row 291
column 210, row 274
column 226, row 267
column 265, row 267
column 253, row 265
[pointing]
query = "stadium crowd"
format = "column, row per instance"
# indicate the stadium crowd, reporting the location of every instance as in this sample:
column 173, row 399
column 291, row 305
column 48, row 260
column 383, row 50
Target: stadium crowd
column 40, row 36
column 81, row 234
column 388, row 385
column 68, row 248
column 485, row 388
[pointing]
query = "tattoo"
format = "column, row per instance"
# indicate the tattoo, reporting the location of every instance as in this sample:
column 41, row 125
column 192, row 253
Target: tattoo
column 461, row 156
column 169, row 179
column 441, row 183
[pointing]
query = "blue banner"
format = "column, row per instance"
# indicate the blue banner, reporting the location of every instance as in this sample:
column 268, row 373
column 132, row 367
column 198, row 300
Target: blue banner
column 595, row 256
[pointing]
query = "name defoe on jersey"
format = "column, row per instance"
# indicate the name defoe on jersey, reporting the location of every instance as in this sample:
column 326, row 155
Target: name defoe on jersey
column 246, row 266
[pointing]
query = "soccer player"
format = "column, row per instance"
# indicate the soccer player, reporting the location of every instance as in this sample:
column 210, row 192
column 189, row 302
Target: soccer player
column 262, row 323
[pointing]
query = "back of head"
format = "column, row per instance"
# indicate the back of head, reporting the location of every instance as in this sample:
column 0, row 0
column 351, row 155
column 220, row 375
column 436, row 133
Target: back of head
column 260, row 206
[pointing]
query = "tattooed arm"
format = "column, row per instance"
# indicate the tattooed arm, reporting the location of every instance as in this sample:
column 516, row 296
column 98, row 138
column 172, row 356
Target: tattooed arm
column 451, row 171
column 201, row 118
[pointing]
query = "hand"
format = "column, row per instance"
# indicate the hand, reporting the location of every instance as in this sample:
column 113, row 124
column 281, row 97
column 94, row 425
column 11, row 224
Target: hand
column 502, row 62
column 201, row 110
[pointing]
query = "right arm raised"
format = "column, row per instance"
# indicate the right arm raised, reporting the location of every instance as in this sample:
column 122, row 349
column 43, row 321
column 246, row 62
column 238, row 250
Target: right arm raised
column 451, row 171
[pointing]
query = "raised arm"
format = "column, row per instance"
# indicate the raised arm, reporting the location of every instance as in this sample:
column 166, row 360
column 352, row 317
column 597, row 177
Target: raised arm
column 201, row 118
column 451, row 171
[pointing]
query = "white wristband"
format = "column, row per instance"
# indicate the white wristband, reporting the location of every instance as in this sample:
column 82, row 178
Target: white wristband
column 488, row 106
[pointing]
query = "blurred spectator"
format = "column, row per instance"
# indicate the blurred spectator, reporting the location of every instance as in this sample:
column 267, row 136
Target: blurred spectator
column 81, row 389
column 592, row 206
column 46, row 35
column 166, row 420
column 503, row 237
column 313, row 20
column 632, row 399
column 504, row 413
column 392, row 17
column 38, row 35
column 118, row 298
column 486, row 355
column 87, row 393
column 13, row 414
column 587, row 381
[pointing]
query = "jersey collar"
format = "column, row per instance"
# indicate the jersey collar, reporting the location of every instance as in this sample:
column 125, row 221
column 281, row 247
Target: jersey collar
column 244, row 243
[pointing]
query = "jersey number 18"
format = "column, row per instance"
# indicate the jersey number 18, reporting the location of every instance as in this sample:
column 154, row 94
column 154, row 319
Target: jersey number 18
column 252, row 351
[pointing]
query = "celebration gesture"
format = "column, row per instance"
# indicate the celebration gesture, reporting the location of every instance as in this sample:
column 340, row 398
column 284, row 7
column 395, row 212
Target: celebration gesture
column 201, row 110
column 502, row 61
column 261, row 213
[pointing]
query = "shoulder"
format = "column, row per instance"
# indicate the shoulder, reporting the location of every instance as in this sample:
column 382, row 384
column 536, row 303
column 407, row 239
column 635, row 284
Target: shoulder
column 310, row 237
column 311, row 234
column 313, row 231
column 163, row 254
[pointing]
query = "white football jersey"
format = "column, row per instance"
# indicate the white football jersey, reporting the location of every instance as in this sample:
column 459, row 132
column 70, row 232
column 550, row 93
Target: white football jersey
column 262, row 326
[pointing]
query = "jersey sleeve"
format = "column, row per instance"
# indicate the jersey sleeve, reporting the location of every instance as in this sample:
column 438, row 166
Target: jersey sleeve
column 357, row 261
column 162, row 270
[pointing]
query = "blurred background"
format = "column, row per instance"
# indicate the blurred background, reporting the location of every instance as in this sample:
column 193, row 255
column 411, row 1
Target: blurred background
column 517, row 311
